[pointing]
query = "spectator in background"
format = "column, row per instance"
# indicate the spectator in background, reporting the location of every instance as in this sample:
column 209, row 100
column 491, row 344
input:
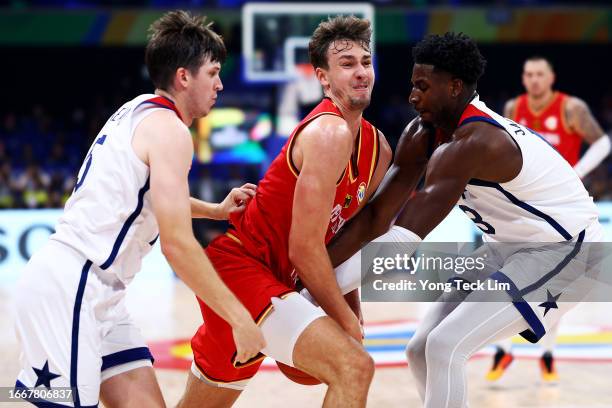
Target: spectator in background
column 32, row 186
column 7, row 193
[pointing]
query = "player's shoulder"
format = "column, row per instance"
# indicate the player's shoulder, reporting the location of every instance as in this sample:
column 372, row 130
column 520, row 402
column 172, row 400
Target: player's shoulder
column 479, row 137
column 416, row 143
column 416, row 130
column 574, row 103
column 328, row 128
column 163, row 121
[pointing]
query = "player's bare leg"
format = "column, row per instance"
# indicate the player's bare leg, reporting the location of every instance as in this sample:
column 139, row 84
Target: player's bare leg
column 325, row 351
column 134, row 388
column 199, row 394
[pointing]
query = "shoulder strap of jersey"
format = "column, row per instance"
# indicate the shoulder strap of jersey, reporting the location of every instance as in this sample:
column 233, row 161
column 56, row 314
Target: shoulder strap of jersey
column 164, row 102
column 473, row 113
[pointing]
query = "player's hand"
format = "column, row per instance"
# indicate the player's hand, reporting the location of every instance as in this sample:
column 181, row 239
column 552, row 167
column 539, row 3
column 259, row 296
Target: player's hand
column 248, row 339
column 236, row 200
column 353, row 328
column 352, row 298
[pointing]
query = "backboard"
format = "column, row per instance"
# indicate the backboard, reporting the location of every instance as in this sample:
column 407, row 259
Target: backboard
column 275, row 35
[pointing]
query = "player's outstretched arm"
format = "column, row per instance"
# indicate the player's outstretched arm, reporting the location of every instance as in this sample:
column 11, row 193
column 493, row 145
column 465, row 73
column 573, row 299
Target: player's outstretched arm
column 321, row 152
column 236, row 201
column 581, row 120
column 468, row 155
column 377, row 216
column 168, row 154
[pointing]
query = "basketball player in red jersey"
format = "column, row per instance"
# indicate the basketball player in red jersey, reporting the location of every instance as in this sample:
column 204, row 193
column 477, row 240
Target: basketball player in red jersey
column 329, row 167
column 565, row 122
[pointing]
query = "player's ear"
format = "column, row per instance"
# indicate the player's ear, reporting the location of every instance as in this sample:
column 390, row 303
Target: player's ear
column 181, row 77
column 456, row 86
column 322, row 76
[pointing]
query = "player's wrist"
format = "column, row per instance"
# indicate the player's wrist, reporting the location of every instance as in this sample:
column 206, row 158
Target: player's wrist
column 217, row 212
column 238, row 317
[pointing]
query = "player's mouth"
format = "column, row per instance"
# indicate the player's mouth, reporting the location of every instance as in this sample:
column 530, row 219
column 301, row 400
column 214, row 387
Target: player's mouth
column 361, row 87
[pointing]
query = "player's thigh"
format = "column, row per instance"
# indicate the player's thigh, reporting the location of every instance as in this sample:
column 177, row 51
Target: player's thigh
column 213, row 344
column 201, row 394
column 327, row 352
column 134, row 388
column 127, row 375
column 299, row 334
column 123, row 347
column 56, row 324
column 288, row 318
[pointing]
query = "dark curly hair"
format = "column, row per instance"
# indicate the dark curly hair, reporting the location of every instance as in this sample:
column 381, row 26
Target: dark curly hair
column 180, row 39
column 454, row 53
column 334, row 29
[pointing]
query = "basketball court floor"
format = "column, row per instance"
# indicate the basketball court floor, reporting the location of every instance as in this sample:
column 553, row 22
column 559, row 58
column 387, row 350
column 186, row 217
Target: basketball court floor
column 168, row 315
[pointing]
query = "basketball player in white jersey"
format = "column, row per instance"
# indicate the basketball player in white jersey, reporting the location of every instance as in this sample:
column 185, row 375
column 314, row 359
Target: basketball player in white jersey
column 566, row 122
column 132, row 188
column 511, row 183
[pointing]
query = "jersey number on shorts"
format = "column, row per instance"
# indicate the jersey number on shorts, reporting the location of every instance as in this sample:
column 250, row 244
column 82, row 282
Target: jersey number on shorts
column 477, row 219
column 87, row 163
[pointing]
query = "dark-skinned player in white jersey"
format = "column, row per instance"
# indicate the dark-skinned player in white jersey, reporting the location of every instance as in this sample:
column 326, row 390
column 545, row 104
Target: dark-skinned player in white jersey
column 511, row 183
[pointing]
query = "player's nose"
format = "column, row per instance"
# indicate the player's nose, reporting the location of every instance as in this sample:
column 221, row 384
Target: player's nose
column 413, row 99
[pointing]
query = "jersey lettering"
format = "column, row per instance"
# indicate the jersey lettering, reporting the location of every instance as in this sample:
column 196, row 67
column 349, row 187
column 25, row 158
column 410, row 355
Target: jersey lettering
column 477, row 219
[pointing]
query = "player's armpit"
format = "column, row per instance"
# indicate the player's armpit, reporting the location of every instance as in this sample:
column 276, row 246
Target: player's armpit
column 385, row 155
column 581, row 120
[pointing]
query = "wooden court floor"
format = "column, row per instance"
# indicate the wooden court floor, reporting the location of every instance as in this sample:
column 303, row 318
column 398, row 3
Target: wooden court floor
column 166, row 311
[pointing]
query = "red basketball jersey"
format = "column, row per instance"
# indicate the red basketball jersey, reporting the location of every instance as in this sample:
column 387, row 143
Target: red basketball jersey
column 550, row 123
column 263, row 228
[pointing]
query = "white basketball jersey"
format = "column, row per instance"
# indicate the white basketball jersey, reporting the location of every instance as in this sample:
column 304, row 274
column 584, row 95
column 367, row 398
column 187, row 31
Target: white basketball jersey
column 545, row 202
column 108, row 217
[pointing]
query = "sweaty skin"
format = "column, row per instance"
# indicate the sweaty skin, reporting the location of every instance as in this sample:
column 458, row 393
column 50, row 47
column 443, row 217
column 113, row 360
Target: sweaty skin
column 464, row 153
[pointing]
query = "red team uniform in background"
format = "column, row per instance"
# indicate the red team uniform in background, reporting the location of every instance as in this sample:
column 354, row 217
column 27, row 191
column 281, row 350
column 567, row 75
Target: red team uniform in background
column 252, row 258
column 550, row 123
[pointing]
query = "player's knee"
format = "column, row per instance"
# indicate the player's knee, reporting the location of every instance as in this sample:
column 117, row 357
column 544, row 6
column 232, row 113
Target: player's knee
column 441, row 347
column 355, row 366
column 415, row 351
column 413, row 356
column 361, row 370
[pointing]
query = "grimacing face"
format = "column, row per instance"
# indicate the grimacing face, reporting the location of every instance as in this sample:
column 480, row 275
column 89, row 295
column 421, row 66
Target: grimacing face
column 350, row 75
column 431, row 93
column 538, row 77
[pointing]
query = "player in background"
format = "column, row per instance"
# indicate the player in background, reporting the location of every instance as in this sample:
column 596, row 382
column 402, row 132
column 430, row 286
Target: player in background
column 565, row 122
column 531, row 193
column 325, row 173
column 132, row 189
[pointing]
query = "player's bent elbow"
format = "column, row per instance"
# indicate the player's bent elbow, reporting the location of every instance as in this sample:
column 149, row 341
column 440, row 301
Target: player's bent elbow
column 173, row 250
column 299, row 251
